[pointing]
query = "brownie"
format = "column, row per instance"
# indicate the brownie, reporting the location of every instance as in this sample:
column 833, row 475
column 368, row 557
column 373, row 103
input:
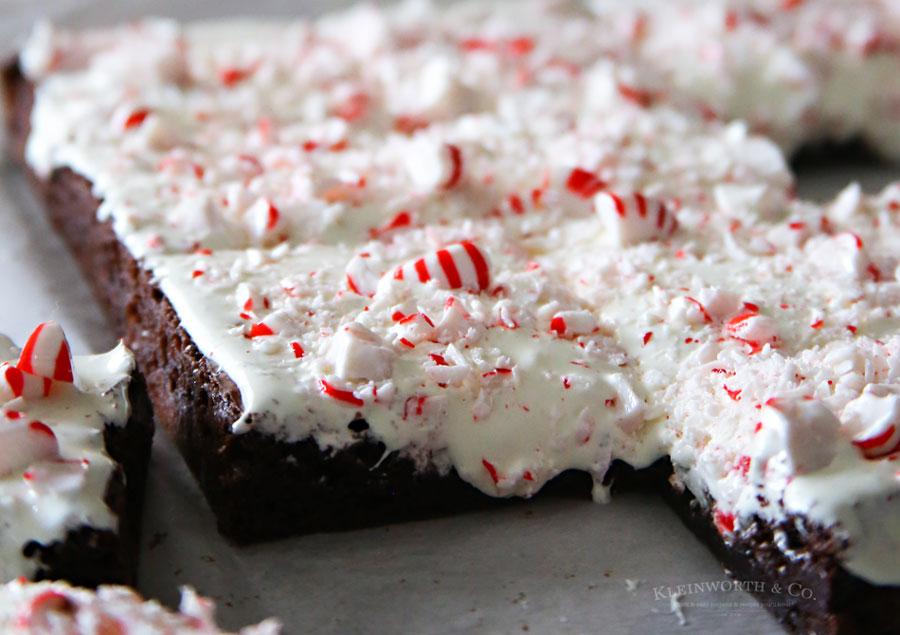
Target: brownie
column 816, row 594
column 89, row 556
column 261, row 488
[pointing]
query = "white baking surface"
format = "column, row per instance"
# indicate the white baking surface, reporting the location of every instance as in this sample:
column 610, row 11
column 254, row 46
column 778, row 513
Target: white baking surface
column 548, row 566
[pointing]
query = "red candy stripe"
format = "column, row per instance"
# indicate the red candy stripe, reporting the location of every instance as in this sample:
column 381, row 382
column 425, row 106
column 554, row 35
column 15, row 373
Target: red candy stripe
column 880, row 445
column 456, row 167
column 449, row 268
column 16, row 380
column 583, row 183
column 340, row 395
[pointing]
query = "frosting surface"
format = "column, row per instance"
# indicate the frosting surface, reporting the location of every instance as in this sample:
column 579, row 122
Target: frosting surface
column 522, row 238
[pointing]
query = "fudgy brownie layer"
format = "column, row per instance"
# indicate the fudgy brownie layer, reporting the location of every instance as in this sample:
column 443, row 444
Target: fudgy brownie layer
column 89, row 556
column 260, row 488
column 815, row 594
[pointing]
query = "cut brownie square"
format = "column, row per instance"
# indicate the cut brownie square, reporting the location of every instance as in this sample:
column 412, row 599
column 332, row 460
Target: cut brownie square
column 75, row 437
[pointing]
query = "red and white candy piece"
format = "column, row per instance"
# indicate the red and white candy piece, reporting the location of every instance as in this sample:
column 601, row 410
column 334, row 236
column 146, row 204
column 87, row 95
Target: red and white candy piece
column 873, row 420
column 634, row 218
column 432, row 166
column 719, row 304
column 15, row 383
column 361, row 277
column 46, row 354
column 800, row 433
column 413, row 329
column 458, row 266
column 23, row 443
column 454, row 321
column 569, row 324
column 753, row 329
column 263, row 218
column 249, row 298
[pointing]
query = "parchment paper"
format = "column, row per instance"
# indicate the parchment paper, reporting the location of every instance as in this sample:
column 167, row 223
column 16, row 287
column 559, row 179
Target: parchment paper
column 547, row 566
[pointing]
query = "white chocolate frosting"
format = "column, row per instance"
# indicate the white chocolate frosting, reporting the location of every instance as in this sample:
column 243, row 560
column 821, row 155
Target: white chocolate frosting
column 517, row 238
column 54, row 468
column 51, row 608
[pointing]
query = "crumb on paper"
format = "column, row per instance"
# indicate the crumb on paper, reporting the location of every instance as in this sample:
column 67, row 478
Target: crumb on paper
column 631, row 585
column 675, row 606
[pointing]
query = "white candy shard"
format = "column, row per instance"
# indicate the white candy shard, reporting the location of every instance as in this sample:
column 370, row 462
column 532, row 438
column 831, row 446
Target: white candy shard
column 634, row 218
column 413, row 329
column 801, row 433
column 23, row 443
column 718, row 303
column 440, row 367
column 844, row 254
column 628, row 404
column 454, row 321
column 872, row 420
column 458, row 266
column 359, row 354
column 847, row 203
column 199, row 216
column 739, row 200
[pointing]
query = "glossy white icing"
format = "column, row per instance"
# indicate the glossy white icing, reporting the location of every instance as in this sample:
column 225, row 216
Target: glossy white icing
column 303, row 193
column 47, row 491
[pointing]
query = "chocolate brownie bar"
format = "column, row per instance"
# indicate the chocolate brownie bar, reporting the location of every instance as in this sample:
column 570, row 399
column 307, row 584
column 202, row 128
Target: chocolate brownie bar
column 457, row 284
column 73, row 461
column 258, row 487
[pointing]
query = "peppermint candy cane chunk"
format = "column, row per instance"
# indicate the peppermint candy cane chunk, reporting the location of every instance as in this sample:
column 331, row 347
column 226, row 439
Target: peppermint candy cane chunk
column 799, row 434
column 361, row 276
column 573, row 323
column 458, row 266
column 432, row 166
column 634, row 218
column 873, row 420
column 23, row 443
column 47, row 354
column 15, row 383
column 359, row 354
column 263, row 219
column 753, row 329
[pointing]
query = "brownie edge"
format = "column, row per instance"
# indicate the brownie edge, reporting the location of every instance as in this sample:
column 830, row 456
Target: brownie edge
column 88, row 556
column 808, row 591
